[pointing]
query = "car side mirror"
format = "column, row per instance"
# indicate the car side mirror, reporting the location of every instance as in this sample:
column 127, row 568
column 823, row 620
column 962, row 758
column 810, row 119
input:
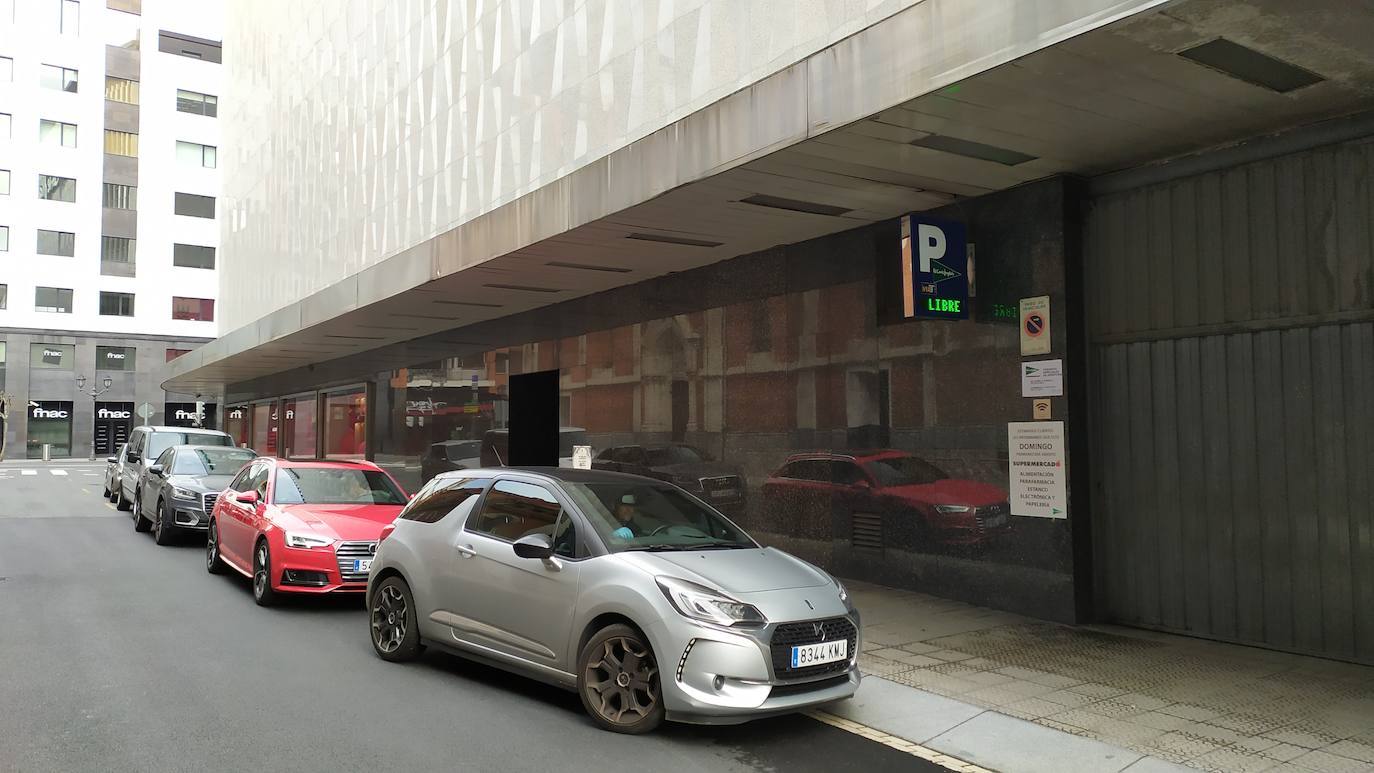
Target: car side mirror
column 534, row 546
column 111, row 459
column 133, row 457
column 155, row 470
column 247, row 497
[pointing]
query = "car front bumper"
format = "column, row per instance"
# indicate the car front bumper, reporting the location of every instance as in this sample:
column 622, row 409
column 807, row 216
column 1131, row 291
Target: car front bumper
column 312, row 570
column 711, row 675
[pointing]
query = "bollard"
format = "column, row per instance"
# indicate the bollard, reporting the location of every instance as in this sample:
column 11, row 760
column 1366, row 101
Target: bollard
column 47, row 452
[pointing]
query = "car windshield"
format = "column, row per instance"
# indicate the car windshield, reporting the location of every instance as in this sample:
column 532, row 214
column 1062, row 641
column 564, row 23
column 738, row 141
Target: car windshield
column 335, row 486
column 211, row 461
column 467, row 449
column 646, row 516
column 161, row 441
column 662, row 457
column 904, row 471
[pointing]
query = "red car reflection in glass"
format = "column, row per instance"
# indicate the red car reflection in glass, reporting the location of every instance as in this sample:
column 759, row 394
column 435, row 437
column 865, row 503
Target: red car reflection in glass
column 302, row 527
column 883, row 498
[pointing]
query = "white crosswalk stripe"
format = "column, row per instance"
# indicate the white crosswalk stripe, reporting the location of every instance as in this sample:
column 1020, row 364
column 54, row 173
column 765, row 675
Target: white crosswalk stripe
column 28, row 472
column 58, row 472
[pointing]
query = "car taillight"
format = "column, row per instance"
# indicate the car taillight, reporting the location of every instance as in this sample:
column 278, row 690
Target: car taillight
column 386, row 532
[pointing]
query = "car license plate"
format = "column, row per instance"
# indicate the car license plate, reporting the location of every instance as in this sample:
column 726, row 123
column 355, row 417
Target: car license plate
column 815, row 654
column 362, row 565
column 723, row 493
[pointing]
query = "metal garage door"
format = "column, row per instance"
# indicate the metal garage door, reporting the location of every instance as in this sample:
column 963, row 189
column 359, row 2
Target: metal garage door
column 1233, row 369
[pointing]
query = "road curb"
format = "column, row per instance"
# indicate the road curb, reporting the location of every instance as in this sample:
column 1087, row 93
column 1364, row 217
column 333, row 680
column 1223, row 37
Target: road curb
column 900, row 744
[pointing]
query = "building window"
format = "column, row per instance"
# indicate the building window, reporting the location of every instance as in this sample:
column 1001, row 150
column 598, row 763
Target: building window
column 194, row 154
column 54, row 188
column 172, row 354
column 56, row 133
column 188, row 46
column 117, row 249
column 57, row 300
column 115, row 357
column 58, row 243
column 120, row 196
column 6, row 69
column 193, row 256
column 121, row 143
column 51, row 76
column 195, row 309
column 121, row 90
column 69, row 20
column 197, row 103
column 4, row 238
column 4, row 297
column 5, row 121
column 52, row 356
column 191, row 205
column 4, row 182
column 116, row 304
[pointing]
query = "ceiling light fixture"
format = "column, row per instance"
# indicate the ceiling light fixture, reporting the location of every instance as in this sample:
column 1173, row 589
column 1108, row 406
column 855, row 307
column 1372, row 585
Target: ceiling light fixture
column 665, row 239
column 588, row 267
column 1247, row 64
column 794, row 205
column 971, row 149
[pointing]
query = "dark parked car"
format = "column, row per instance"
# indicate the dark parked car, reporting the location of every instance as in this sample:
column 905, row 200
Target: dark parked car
column 449, row 455
column 112, row 472
column 496, row 446
column 179, row 489
column 885, row 498
column 691, row 468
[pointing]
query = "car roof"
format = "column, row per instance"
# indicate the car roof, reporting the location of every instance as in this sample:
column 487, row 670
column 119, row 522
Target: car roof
column 557, row 474
column 337, row 464
column 195, row 447
column 161, row 428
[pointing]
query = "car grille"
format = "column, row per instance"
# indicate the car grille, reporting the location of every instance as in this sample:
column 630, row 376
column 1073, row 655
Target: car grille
column 729, row 486
column 788, row 635
column 805, row 687
column 209, row 501
column 346, row 552
column 988, row 512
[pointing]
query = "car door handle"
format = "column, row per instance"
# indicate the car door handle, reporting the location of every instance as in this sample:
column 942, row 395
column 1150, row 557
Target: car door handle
column 466, row 551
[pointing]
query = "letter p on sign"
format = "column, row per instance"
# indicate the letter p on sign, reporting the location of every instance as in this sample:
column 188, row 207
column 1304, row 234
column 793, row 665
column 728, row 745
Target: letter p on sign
column 930, row 245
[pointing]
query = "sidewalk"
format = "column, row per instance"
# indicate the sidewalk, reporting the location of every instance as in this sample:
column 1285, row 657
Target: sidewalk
column 1012, row 693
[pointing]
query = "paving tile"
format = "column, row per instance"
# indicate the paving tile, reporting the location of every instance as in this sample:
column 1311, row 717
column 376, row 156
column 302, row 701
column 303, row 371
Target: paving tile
column 1006, row 743
column 1114, row 707
column 1353, row 749
column 887, row 653
column 1080, row 718
column 1035, row 707
column 920, row 661
column 1097, row 690
column 1322, row 762
column 1190, row 711
column 919, row 648
column 1154, row 765
column 1247, row 724
column 1255, row 744
column 1300, row 736
column 1186, row 744
column 1143, row 702
column 987, row 678
column 1283, row 752
column 948, row 655
column 905, row 712
column 1126, row 733
column 1232, row 761
column 1161, row 721
column 1214, row 733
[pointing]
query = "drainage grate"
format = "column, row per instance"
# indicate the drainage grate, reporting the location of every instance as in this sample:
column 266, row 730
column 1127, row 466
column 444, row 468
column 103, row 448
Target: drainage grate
column 866, row 531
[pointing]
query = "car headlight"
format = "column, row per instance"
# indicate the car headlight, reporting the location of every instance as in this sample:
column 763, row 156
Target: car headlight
column 951, row 509
column 301, row 539
column 701, row 603
column 180, row 493
column 844, row 594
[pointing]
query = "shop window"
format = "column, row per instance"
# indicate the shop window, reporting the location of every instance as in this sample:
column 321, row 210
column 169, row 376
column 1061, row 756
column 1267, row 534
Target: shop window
column 236, row 423
column 50, row 424
column 299, row 428
column 194, row 309
column 115, row 358
column 52, row 356
column 264, row 428
column 345, row 424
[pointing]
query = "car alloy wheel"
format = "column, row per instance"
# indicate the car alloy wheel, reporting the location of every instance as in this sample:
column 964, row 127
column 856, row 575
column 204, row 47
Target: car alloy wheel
column 620, row 682
column 162, row 533
column 263, row 592
column 213, row 565
column 389, row 619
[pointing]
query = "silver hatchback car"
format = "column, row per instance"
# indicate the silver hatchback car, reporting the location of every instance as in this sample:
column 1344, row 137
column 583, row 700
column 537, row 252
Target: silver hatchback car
column 639, row 596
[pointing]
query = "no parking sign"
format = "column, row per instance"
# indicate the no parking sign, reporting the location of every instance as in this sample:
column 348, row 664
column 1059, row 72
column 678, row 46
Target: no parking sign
column 1035, row 325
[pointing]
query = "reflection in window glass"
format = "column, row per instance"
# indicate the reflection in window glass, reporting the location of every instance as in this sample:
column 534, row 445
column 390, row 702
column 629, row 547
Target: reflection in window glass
column 298, row 428
column 58, row 243
column 345, row 425
column 211, row 461
column 332, row 486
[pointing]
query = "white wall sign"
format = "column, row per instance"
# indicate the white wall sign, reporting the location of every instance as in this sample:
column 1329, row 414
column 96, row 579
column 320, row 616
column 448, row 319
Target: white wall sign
column 582, row 457
column 1042, row 378
column 1038, row 477
column 1035, row 325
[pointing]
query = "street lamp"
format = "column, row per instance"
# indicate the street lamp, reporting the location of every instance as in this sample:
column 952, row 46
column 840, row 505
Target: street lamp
column 94, row 392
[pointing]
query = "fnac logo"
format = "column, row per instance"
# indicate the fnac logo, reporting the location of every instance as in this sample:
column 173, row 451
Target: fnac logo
column 45, row 413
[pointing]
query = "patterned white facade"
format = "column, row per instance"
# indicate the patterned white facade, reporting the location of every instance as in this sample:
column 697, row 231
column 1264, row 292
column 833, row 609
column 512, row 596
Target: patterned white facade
column 389, row 123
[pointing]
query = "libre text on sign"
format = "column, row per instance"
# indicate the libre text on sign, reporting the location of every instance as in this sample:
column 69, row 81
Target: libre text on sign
column 1038, row 477
column 934, row 268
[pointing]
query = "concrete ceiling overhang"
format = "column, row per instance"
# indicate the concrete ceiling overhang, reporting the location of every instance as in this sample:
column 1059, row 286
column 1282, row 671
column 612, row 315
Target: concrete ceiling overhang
column 992, row 94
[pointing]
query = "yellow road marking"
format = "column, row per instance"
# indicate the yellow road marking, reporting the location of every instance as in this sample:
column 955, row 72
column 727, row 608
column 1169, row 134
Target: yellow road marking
column 900, row 744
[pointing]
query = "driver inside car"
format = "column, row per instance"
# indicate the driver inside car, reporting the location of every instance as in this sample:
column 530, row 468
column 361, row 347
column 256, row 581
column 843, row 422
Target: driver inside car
column 626, row 513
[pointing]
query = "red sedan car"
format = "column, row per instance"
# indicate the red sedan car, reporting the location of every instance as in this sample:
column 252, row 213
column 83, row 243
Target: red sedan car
column 302, row 527
column 886, row 495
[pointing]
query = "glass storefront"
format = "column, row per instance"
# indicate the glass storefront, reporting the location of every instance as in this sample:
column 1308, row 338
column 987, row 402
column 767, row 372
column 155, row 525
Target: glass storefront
column 190, row 415
column 299, row 435
column 264, row 428
column 113, row 421
column 345, row 424
column 236, row 423
column 50, row 422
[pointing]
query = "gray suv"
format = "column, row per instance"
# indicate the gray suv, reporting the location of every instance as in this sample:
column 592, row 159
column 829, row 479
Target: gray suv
column 144, row 446
column 642, row 598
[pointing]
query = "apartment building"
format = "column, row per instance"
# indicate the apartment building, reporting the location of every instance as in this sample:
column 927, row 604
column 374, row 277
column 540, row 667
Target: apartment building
column 109, row 232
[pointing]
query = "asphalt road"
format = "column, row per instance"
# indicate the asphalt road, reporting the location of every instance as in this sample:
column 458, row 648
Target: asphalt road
column 119, row 655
